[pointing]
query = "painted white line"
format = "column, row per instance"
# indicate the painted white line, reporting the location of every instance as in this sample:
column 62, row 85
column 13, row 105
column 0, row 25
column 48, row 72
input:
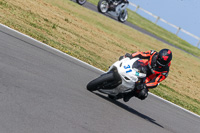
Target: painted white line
column 175, row 105
column 91, row 66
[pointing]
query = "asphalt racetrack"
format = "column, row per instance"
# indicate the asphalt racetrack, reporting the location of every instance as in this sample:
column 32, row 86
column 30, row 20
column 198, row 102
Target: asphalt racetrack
column 44, row 91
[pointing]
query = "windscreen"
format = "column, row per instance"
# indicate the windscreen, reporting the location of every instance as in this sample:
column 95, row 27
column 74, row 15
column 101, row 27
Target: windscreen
column 140, row 66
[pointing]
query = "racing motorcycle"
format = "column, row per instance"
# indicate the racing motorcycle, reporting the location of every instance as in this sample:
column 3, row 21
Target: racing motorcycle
column 113, row 8
column 81, row 2
column 122, row 77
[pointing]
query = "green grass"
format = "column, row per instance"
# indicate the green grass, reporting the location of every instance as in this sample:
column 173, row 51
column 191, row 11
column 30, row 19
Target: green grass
column 147, row 25
column 175, row 97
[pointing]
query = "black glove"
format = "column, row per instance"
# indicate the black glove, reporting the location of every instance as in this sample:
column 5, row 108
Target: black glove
column 121, row 57
column 128, row 55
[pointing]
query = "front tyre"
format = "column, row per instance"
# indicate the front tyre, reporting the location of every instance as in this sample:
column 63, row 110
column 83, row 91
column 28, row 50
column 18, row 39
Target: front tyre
column 81, row 2
column 99, row 82
column 123, row 16
column 103, row 6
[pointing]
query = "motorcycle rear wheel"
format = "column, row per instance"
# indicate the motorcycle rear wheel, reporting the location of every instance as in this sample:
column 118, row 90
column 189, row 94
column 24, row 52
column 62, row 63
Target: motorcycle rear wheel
column 81, row 2
column 103, row 6
column 99, row 82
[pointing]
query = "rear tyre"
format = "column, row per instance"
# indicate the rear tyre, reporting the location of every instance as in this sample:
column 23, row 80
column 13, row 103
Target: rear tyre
column 112, row 97
column 103, row 6
column 81, row 2
column 99, row 82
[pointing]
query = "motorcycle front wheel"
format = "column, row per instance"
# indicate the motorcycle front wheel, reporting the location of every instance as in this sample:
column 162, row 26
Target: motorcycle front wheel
column 123, row 16
column 81, row 2
column 103, row 6
column 99, row 82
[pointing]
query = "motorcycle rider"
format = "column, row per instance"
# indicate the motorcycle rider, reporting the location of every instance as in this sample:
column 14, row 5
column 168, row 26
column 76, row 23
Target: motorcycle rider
column 115, row 3
column 159, row 63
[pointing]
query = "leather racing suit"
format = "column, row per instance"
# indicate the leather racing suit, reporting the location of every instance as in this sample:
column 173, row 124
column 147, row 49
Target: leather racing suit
column 155, row 74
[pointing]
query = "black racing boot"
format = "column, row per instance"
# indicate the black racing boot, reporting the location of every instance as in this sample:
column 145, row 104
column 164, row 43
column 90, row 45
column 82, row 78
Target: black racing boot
column 128, row 96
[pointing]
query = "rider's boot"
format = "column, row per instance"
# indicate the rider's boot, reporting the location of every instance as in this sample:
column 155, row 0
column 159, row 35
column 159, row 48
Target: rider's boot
column 141, row 94
column 128, row 96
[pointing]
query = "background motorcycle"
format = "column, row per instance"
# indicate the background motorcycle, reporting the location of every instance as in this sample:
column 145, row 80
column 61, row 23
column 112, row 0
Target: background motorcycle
column 122, row 77
column 111, row 7
column 81, row 2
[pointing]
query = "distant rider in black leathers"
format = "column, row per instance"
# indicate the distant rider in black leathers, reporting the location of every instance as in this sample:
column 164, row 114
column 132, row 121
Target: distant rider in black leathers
column 115, row 3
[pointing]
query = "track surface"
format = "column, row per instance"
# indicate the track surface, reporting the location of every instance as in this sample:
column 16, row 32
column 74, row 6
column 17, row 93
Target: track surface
column 44, row 91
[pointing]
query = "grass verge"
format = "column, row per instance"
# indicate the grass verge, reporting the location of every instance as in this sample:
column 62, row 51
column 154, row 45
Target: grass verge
column 143, row 23
column 99, row 41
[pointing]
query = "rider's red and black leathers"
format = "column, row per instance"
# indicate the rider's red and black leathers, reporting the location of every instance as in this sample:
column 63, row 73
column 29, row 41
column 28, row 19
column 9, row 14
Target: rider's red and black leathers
column 154, row 75
column 113, row 6
column 159, row 73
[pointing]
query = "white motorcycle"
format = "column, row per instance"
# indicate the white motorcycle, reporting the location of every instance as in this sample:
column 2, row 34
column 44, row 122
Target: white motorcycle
column 122, row 77
column 113, row 8
column 81, row 2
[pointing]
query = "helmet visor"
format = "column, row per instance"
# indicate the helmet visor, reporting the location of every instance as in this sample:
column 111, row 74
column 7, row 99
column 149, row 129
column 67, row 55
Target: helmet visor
column 159, row 63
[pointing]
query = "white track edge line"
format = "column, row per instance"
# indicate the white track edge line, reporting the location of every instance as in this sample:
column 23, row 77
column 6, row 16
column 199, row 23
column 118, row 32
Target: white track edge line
column 90, row 66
